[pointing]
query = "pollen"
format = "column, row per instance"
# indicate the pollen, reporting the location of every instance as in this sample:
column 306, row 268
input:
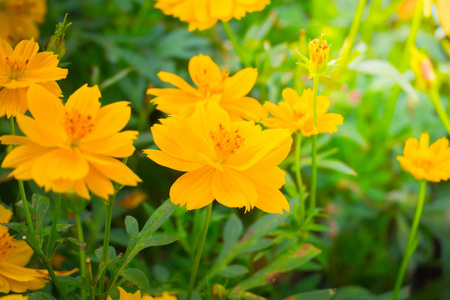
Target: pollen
column 209, row 85
column 15, row 66
column 226, row 142
column 77, row 126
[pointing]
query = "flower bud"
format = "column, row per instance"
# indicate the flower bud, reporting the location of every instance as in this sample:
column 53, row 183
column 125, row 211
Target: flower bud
column 57, row 43
column 218, row 291
column 423, row 70
column 318, row 55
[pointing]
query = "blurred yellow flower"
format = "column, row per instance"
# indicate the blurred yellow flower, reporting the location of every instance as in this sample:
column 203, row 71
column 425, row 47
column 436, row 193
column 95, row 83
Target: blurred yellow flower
column 72, row 146
column 22, row 67
column 137, row 296
column 213, row 85
column 202, row 15
column 407, row 7
column 14, row 256
column 426, row 162
column 19, row 19
column 297, row 113
column 134, row 199
column 234, row 163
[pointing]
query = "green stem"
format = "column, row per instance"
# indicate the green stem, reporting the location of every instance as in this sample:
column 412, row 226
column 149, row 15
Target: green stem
column 89, row 279
column 301, row 190
column 108, row 219
column 48, row 266
column 51, row 239
column 312, row 203
column 434, row 96
column 350, row 41
column 199, row 252
column 412, row 239
column 234, row 41
column 388, row 113
column 80, row 235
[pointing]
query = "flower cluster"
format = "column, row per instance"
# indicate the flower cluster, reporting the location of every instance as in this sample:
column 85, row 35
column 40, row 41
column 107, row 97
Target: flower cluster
column 19, row 19
column 138, row 296
column 204, row 14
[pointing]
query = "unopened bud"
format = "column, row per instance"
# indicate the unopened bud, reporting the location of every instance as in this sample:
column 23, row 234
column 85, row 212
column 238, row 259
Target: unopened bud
column 57, row 44
column 318, row 55
column 423, row 70
column 218, row 291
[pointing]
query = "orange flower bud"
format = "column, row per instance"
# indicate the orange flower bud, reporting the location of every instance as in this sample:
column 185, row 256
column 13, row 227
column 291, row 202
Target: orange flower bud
column 423, row 70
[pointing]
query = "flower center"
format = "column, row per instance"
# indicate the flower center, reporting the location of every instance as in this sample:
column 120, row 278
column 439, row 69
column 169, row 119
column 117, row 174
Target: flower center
column 210, row 85
column 77, row 126
column 6, row 244
column 226, row 142
column 15, row 66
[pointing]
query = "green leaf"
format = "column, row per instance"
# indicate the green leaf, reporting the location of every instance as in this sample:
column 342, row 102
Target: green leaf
column 138, row 278
column 336, row 165
column 257, row 245
column 157, row 240
column 294, row 258
column 315, row 295
column 19, row 227
column 158, row 217
column 232, row 231
column 233, row 271
column 132, row 227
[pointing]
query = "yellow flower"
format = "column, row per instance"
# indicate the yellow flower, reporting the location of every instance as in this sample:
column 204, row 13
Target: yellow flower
column 134, row 199
column 407, row 7
column 72, row 146
column 19, row 18
column 234, row 163
column 22, row 67
column 297, row 113
column 204, row 14
column 213, row 86
column 137, row 296
column 423, row 70
column 426, row 162
column 14, row 256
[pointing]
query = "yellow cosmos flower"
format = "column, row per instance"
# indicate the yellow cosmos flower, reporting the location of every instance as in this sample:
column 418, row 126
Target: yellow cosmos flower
column 426, row 162
column 234, row 163
column 204, row 14
column 213, row 85
column 297, row 113
column 22, row 67
column 72, row 146
column 407, row 7
column 137, row 296
column 14, row 256
column 19, row 19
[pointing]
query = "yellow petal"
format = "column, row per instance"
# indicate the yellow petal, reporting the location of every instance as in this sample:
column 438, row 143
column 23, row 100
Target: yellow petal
column 240, row 84
column 166, row 160
column 5, row 215
column 118, row 145
column 13, row 102
column 231, row 188
column 202, row 68
column 178, row 82
column 443, row 9
column 221, row 9
column 99, row 184
column 245, row 107
column 271, row 201
column 406, row 9
column 85, row 101
column 26, row 49
column 110, row 119
column 193, row 189
column 22, row 254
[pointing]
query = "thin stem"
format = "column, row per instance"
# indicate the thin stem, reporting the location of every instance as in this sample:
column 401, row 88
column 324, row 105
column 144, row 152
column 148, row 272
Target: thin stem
column 108, row 219
column 350, row 41
column 234, row 41
column 82, row 253
column 199, row 252
column 89, row 279
column 51, row 239
column 301, row 190
column 49, row 268
column 388, row 113
column 412, row 239
column 434, row 96
column 312, row 203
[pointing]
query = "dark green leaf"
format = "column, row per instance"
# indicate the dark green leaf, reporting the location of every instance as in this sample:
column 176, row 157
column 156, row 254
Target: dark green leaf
column 315, row 295
column 138, row 278
column 233, row 271
column 132, row 227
